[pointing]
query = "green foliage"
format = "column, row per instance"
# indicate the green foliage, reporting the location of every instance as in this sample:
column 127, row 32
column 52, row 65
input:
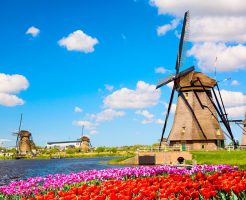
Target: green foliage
column 118, row 160
column 53, row 150
column 100, row 149
column 113, row 149
column 78, row 150
column 70, row 150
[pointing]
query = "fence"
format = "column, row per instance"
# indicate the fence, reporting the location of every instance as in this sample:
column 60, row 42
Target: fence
column 163, row 149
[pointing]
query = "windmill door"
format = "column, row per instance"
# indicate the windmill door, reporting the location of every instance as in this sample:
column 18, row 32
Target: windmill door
column 183, row 146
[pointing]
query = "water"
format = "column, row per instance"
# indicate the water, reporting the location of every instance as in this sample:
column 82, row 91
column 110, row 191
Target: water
column 13, row 170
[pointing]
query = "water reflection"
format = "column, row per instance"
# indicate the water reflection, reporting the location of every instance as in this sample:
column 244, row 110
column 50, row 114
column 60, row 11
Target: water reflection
column 12, row 170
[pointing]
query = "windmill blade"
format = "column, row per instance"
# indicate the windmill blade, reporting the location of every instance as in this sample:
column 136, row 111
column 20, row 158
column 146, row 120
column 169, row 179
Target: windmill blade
column 14, row 133
column 184, row 72
column 184, row 36
column 167, row 114
column 165, row 81
column 172, row 77
column 20, row 122
column 82, row 132
column 17, row 141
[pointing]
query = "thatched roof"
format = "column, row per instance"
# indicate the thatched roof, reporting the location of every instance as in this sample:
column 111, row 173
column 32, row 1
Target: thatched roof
column 192, row 77
column 24, row 133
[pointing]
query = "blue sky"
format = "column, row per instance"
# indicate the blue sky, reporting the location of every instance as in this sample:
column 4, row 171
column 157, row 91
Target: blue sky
column 105, row 58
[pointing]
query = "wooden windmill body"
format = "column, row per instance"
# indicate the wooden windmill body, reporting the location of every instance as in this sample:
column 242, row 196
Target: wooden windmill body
column 85, row 143
column 196, row 124
column 243, row 142
column 25, row 144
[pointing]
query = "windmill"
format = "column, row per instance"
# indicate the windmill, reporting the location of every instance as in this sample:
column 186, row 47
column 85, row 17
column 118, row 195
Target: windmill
column 243, row 141
column 24, row 141
column 85, row 141
column 195, row 124
column 242, row 125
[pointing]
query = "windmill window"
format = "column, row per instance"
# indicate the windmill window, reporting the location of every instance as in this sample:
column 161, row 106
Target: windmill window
column 183, row 130
column 217, row 131
column 203, row 146
column 186, row 95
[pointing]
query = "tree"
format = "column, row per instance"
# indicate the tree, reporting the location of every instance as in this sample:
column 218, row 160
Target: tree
column 53, row 150
column 113, row 149
column 100, row 149
column 70, row 150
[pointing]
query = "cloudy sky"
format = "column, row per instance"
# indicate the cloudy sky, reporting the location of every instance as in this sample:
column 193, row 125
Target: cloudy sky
column 66, row 64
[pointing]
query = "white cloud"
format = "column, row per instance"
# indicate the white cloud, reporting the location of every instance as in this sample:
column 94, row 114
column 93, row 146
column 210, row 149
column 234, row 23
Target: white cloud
column 147, row 121
column 207, row 21
column 234, row 82
column 12, row 83
column 212, row 30
column 162, row 30
column 170, row 85
column 9, row 86
column 145, row 113
column 229, row 58
column 93, row 132
column 145, row 95
column 78, row 41
column 148, row 117
column 87, row 124
column 173, row 107
column 235, row 103
column 203, row 8
column 10, row 100
column 159, row 121
column 107, row 115
column 109, row 87
column 77, row 109
column 232, row 99
column 236, row 112
column 161, row 70
column 33, row 31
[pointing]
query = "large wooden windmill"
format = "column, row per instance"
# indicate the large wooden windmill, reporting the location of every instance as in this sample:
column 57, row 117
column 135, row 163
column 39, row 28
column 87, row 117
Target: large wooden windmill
column 24, row 141
column 196, row 125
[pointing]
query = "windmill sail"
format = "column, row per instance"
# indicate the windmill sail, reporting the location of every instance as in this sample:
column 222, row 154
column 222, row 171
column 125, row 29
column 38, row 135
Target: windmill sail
column 182, row 43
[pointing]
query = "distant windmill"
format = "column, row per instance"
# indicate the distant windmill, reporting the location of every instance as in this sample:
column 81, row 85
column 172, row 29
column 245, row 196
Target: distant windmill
column 195, row 124
column 85, row 141
column 243, row 141
column 24, row 141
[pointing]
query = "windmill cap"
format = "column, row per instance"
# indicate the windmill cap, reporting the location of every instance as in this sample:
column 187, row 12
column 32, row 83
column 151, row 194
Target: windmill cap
column 193, row 79
column 24, row 133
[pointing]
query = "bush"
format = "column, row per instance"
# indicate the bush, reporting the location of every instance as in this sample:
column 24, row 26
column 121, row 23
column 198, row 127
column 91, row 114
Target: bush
column 113, row 149
column 70, row 150
column 100, row 149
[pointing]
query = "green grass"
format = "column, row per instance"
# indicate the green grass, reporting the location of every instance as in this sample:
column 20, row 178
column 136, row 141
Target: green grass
column 76, row 155
column 237, row 157
column 118, row 160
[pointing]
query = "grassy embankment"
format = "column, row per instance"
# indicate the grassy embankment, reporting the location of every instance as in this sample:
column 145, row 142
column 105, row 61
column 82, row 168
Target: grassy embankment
column 116, row 161
column 122, row 154
column 221, row 157
column 237, row 158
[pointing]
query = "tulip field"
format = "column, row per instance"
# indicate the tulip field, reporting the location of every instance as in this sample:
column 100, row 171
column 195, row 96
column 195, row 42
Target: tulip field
column 137, row 183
